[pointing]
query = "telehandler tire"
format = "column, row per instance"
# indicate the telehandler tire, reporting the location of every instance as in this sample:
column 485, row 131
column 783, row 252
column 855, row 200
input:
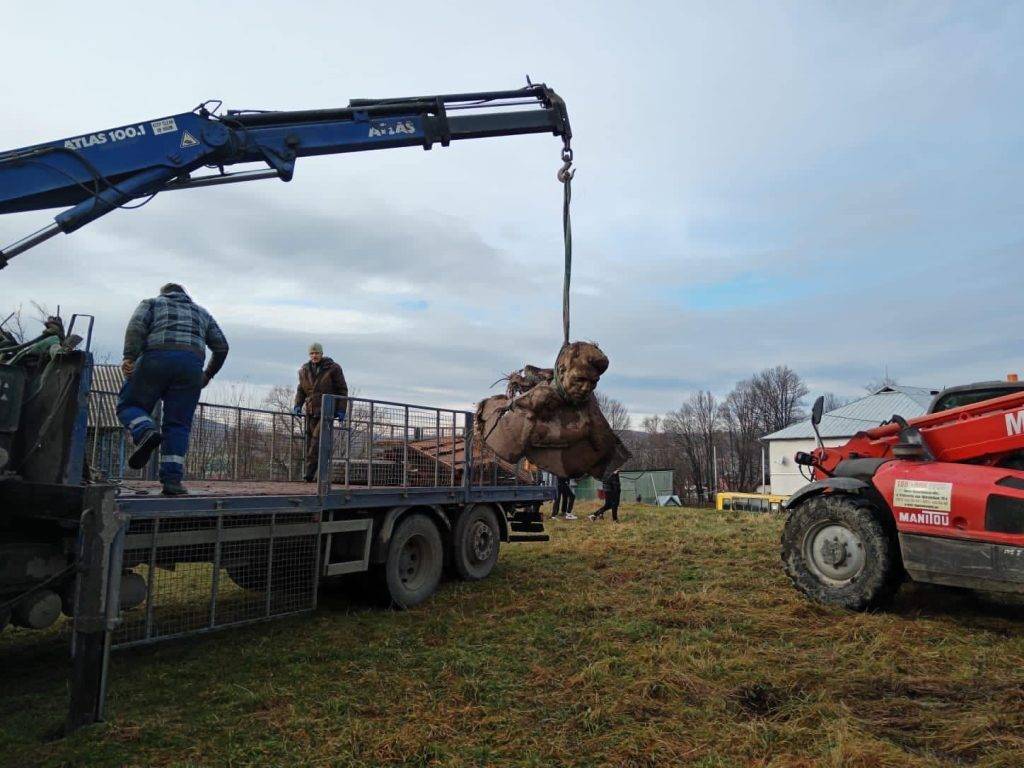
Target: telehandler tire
column 837, row 551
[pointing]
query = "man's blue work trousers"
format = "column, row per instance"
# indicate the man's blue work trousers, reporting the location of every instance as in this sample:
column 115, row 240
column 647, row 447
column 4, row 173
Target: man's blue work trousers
column 175, row 377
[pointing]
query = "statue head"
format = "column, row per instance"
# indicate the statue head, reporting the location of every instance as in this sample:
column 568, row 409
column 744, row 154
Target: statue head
column 578, row 368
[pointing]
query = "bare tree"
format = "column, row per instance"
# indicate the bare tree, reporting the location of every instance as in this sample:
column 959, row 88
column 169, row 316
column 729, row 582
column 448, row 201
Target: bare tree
column 646, row 447
column 13, row 325
column 279, row 398
column 692, row 430
column 780, row 392
column 231, row 393
column 11, row 328
column 883, row 381
column 651, row 424
column 614, row 411
column 741, row 422
column 833, row 401
column 688, row 439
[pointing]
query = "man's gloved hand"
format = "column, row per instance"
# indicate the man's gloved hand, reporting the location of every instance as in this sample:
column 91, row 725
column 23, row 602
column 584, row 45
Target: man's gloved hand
column 297, row 410
column 127, row 367
column 340, row 416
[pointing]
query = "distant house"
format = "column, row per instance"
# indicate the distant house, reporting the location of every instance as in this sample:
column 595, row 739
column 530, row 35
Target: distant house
column 105, row 438
column 836, row 428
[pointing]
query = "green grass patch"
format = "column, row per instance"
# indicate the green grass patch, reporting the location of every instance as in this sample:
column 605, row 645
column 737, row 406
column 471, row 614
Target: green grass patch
column 672, row 638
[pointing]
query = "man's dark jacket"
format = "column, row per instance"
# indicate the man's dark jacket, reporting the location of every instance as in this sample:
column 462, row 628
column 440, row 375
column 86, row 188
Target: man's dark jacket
column 317, row 381
column 612, row 486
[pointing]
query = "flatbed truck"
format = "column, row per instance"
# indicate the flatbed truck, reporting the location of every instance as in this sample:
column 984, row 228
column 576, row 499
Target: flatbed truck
column 403, row 495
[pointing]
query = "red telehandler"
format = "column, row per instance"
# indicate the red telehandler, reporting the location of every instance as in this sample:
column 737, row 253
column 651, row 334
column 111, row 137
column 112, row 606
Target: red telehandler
column 938, row 498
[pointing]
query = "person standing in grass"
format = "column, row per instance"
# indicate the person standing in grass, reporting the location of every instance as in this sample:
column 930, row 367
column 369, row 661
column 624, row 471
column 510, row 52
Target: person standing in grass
column 561, row 484
column 612, row 493
column 566, row 497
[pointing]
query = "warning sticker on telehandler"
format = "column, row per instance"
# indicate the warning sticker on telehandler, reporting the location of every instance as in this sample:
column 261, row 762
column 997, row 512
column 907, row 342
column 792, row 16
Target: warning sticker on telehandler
column 923, row 494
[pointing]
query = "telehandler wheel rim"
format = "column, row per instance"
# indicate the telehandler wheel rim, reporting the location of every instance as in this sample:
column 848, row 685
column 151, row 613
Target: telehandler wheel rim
column 833, row 552
column 412, row 562
column 481, row 539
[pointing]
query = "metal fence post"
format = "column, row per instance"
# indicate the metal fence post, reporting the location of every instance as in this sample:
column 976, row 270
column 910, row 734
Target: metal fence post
column 405, row 449
column 93, row 615
column 348, row 440
column 452, row 482
column 324, row 448
column 270, row 560
column 369, row 466
column 151, row 580
column 197, row 440
column 437, row 446
column 468, row 460
column 273, row 440
column 238, row 437
column 215, row 587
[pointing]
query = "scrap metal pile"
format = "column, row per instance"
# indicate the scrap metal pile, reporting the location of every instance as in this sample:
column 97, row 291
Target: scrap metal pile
column 551, row 417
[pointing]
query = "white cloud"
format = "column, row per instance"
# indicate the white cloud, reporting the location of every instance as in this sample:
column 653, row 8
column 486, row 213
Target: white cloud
column 863, row 162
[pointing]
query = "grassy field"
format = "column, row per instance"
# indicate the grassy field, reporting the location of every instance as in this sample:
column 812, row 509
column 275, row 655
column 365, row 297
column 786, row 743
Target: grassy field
column 672, row 638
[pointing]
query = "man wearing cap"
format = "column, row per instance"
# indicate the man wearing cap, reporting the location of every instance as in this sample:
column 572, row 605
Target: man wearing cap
column 164, row 349
column 320, row 376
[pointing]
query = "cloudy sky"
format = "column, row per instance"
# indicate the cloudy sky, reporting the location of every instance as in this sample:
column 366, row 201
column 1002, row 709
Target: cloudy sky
column 836, row 187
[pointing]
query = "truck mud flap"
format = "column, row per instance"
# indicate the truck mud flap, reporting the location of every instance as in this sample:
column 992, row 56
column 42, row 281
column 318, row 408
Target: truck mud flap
column 526, row 520
column 971, row 564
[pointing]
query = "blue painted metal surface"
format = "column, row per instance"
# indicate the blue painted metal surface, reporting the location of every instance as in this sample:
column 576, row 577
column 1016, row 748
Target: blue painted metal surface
column 97, row 172
column 76, row 449
column 339, row 498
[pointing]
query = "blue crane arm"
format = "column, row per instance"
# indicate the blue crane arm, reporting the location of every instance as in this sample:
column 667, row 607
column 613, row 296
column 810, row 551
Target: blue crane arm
column 93, row 174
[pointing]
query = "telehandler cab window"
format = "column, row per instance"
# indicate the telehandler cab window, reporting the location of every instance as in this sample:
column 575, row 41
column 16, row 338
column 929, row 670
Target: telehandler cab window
column 969, row 397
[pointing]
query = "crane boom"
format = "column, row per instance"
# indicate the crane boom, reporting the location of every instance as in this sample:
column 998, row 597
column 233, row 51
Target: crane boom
column 97, row 172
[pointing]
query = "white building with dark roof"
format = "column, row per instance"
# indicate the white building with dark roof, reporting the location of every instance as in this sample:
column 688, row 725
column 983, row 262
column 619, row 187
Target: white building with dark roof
column 836, row 428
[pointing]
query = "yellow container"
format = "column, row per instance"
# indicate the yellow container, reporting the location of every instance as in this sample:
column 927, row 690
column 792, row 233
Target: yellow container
column 750, row 502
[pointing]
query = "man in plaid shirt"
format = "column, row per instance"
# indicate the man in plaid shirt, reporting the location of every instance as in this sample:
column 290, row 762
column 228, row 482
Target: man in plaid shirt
column 164, row 349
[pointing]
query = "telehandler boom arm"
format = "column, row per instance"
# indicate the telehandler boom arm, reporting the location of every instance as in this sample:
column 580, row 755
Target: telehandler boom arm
column 97, row 172
column 984, row 432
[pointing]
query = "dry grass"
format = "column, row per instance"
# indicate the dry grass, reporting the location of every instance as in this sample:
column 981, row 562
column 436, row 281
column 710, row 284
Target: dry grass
column 670, row 639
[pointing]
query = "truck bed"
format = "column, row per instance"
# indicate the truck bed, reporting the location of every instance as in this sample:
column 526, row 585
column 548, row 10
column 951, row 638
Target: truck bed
column 143, row 488
column 211, row 496
column 380, row 454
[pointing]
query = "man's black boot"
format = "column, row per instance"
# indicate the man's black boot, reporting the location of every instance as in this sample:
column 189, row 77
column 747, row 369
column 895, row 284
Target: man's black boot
column 174, row 488
column 149, row 443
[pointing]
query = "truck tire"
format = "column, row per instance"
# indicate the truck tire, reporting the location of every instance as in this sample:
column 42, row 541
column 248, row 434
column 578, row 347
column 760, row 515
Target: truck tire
column 414, row 562
column 837, row 551
column 475, row 543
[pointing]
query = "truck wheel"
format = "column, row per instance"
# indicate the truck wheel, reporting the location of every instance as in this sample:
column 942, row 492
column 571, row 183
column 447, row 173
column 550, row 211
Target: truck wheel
column 475, row 543
column 837, row 552
column 414, row 563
